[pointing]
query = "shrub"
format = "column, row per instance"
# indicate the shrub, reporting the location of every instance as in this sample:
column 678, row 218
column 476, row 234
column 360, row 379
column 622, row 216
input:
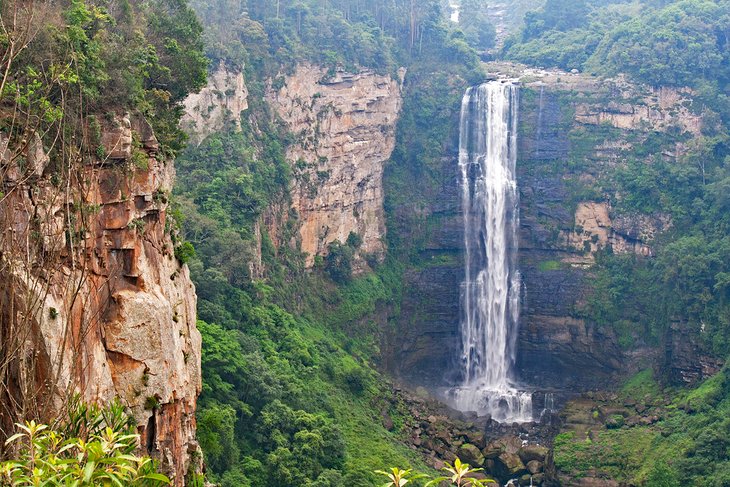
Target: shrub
column 338, row 262
column 184, row 252
column 93, row 446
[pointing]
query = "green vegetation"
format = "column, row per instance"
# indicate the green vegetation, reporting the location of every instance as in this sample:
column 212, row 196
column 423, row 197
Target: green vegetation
column 686, row 447
column 549, row 265
column 92, row 58
column 90, row 446
column 458, row 474
column 290, row 396
column 680, row 43
column 641, row 384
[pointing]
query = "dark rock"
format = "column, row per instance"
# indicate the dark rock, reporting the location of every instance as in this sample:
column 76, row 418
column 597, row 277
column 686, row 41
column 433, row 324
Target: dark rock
column 685, row 360
column 509, row 465
column 476, row 438
column 387, row 420
column 529, row 453
column 533, row 466
column 470, row 454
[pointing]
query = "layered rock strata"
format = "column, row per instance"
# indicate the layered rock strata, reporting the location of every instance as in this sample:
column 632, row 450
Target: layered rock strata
column 344, row 129
column 219, row 103
column 93, row 298
column 573, row 130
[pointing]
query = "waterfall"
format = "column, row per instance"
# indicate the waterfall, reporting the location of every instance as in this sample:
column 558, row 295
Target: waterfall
column 490, row 297
column 549, row 405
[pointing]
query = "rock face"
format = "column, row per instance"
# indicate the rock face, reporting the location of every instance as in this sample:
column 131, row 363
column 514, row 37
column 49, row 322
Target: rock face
column 572, row 130
column 344, row 125
column 685, row 360
column 595, row 229
column 110, row 311
column 218, row 104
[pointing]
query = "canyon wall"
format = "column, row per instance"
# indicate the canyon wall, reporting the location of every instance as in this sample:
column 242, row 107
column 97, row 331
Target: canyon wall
column 572, row 130
column 93, row 295
column 343, row 126
column 218, row 104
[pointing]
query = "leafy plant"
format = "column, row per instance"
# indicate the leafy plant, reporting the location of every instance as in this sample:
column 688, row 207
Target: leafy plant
column 459, row 475
column 93, row 446
column 398, row 477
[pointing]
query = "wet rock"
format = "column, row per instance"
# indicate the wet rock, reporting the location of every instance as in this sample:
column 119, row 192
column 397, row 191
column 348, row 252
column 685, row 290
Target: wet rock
column 476, row 438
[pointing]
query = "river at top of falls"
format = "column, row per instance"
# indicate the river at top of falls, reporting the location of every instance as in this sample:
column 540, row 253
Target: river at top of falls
column 490, row 292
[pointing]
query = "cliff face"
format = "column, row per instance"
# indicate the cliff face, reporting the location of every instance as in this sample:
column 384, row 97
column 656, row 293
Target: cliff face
column 572, row 129
column 217, row 104
column 97, row 297
column 344, row 126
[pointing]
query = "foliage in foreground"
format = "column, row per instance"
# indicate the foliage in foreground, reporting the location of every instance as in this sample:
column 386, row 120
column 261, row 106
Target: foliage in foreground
column 92, row 446
column 458, row 473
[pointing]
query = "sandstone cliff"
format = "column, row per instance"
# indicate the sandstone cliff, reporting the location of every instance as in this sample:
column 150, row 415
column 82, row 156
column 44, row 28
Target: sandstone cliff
column 216, row 105
column 344, row 129
column 92, row 294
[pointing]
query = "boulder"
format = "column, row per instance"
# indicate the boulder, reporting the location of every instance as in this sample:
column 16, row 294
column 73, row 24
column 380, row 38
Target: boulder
column 509, row 465
column 614, row 421
column 525, row 480
column 470, row 454
column 533, row 466
column 529, row 453
column 493, row 450
column 475, row 438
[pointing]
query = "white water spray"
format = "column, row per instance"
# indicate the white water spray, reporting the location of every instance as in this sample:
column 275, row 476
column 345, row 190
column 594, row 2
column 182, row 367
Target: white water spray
column 490, row 297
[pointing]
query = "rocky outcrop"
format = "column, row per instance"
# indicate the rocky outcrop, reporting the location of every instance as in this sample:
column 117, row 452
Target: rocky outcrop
column 686, row 361
column 595, row 229
column 216, row 105
column 344, row 129
column 658, row 109
column 94, row 297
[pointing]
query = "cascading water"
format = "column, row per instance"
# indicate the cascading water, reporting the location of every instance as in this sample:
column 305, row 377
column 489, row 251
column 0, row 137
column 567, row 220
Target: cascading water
column 490, row 297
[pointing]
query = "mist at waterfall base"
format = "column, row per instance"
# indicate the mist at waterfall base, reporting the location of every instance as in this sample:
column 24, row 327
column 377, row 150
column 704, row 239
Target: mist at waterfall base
column 490, row 292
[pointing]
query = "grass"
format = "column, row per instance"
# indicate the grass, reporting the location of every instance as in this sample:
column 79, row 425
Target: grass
column 641, row 385
column 620, row 454
column 549, row 265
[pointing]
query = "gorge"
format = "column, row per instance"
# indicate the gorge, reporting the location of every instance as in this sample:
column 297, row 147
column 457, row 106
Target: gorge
column 414, row 237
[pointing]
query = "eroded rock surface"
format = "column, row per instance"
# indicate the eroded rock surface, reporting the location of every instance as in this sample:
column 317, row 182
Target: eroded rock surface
column 217, row 104
column 344, row 125
column 109, row 311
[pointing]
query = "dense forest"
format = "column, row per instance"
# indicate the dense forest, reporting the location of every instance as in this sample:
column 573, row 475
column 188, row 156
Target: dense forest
column 299, row 351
